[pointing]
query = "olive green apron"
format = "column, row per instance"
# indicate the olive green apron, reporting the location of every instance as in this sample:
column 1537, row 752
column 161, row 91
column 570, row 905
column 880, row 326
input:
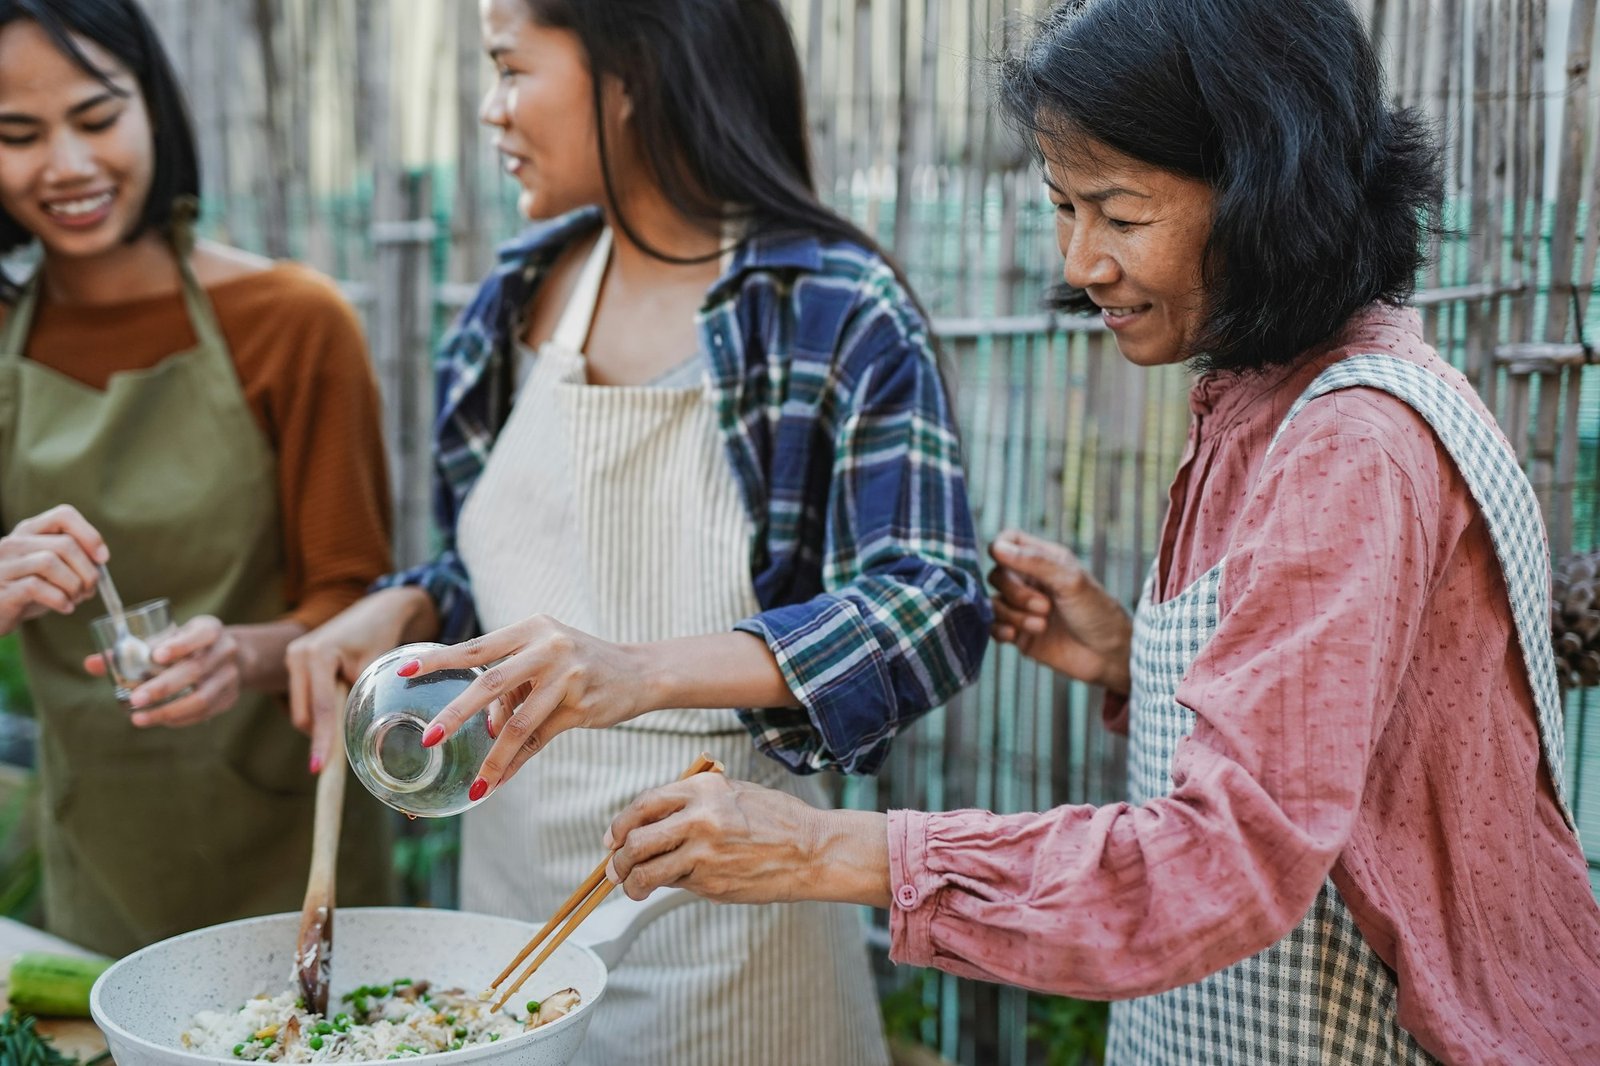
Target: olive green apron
column 151, row 832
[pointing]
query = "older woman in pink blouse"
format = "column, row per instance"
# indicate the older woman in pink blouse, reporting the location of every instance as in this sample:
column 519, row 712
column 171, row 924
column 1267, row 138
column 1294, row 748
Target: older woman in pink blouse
column 1346, row 839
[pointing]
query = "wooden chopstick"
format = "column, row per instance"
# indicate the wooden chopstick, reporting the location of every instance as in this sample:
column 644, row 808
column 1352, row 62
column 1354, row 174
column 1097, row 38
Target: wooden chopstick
column 583, row 902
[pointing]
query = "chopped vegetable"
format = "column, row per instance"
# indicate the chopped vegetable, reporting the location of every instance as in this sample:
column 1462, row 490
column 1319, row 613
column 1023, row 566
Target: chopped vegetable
column 56, row 985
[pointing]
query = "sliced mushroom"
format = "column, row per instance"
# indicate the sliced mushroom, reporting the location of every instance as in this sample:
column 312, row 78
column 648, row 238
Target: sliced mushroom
column 555, row 1005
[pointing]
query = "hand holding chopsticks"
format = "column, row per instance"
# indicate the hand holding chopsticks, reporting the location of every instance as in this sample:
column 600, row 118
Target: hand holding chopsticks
column 578, row 906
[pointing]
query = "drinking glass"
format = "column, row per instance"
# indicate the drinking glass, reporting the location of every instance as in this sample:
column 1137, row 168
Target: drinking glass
column 149, row 622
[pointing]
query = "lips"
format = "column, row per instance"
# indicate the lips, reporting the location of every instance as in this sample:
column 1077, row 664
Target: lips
column 1119, row 316
column 82, row 210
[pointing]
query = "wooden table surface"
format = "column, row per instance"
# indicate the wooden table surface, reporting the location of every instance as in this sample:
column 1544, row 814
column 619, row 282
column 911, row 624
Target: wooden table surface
column 78, row 1037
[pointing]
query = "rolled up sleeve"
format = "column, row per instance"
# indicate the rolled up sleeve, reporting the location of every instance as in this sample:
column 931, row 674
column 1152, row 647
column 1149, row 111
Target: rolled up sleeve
column 902, row 623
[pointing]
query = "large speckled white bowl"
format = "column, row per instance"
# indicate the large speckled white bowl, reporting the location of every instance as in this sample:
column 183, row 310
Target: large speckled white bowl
column 143, row 1002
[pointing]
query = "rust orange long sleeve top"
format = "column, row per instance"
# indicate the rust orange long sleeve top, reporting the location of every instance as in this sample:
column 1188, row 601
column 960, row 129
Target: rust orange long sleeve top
column 303, row 366
column 1362, row 711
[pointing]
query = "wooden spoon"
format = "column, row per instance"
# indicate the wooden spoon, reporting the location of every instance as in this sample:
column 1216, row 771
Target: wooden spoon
column 313, row 957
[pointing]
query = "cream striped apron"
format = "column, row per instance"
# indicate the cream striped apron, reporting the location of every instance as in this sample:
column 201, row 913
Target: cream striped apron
column 614, row 510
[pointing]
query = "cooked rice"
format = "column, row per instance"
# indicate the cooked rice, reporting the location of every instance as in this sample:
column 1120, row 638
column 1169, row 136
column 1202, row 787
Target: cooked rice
column 397, row 1021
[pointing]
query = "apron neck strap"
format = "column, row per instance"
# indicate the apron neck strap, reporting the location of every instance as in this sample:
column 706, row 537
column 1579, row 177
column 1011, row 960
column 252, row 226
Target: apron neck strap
column 201, row 315
column 14, row 336
column 572, row 332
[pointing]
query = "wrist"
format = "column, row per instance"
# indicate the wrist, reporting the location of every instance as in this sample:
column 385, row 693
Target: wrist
column 658, row 682
column 418, row 614
column 847, row 859
column 1117, row 676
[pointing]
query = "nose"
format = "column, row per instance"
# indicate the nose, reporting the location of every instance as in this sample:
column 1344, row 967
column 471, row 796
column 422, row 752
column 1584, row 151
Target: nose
column 71, row 158
column 1086, row 261
column 492, row 110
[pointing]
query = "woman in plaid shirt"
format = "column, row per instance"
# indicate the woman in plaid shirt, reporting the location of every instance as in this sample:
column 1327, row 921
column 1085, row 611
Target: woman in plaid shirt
column 698, row 479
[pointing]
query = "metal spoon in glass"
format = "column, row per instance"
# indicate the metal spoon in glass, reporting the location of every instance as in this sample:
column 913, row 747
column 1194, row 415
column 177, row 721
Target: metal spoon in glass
column 132, row 654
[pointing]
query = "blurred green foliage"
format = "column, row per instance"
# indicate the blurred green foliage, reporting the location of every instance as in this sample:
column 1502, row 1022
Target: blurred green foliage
column 1072, row 1032
column 14, row 696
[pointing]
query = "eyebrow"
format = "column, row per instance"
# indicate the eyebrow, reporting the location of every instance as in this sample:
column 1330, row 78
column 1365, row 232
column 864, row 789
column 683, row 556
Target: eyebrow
column 1098, row 196
column 15, row 119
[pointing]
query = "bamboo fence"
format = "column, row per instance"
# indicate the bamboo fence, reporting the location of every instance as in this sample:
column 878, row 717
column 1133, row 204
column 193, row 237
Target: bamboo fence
column 345, row 134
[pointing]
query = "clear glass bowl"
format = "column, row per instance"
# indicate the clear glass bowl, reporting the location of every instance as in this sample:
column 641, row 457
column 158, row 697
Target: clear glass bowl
column 384, row 720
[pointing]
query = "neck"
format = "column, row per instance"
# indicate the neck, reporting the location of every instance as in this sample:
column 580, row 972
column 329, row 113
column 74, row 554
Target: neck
column 147, row 267
column 665, row 230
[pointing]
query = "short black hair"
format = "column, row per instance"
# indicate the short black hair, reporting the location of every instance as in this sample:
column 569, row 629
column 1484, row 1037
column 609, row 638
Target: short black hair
column 123, row 29
column 1324, row 192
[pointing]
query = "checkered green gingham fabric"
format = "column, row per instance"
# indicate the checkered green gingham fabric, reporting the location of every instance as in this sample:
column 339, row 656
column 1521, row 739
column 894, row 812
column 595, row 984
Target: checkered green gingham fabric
column 1320, row 995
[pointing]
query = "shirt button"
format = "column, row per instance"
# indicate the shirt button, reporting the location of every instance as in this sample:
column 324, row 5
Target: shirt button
column 908, row 896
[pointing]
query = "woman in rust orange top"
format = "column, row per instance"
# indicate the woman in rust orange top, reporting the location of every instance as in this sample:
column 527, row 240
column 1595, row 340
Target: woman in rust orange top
column 206, row 423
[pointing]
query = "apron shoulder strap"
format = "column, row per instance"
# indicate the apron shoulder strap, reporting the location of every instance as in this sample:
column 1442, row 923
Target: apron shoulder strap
column 1504, row 496
column 572, row 331
column 14, row 335
column 208, row 331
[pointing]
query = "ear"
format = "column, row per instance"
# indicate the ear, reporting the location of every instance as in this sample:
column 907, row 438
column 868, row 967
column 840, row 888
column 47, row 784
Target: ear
column 618, row 100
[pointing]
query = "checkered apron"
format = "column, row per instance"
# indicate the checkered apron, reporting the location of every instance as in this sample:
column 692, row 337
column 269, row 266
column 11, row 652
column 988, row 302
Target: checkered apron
column 1320, row 995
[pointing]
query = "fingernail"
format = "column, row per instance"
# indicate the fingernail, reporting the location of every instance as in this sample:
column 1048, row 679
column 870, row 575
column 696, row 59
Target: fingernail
column 140, row 720
column 102, row 554
column 410, row 668
column 478, row 789
column 611, row 874
column 606, row 843
column 493, row 732
column 138, row 699
column 316, row 764
column 434, row 734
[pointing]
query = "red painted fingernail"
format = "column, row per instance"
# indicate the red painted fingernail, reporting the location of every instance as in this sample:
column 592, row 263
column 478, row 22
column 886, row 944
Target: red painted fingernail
column 493, row 732
column 434, row 734
column 316, row 764
column 476, row 792
column 410, row 668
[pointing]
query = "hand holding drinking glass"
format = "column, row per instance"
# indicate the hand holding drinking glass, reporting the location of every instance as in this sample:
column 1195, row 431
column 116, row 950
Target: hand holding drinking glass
column 199, row 668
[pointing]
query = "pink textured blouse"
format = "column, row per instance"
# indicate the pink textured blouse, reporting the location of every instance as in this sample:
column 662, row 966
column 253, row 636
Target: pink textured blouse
column 1363, row 710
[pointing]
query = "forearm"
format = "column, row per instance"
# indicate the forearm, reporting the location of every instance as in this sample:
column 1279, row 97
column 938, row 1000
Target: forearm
column 714, row 671
column 262, row 666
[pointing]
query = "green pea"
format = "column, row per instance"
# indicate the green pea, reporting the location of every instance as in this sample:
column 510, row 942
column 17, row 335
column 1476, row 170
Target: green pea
column 461, row 1031
column 268, row 1041
column 493, row 1037
column 316, row 1043
column 533, row 1006
column 323, row 1028
column 401, row 982
column 238, row 1051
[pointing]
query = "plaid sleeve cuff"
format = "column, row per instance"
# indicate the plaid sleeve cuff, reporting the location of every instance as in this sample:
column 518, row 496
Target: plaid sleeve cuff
column 831, row 662
column 445, row 580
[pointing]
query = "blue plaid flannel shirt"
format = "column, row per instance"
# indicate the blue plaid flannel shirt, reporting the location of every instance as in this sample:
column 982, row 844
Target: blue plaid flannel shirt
column 840, row 433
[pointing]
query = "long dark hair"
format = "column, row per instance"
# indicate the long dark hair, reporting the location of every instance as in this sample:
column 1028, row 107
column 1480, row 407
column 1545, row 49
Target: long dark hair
column 123, row 29
column 719, row 108
column 1324, row 192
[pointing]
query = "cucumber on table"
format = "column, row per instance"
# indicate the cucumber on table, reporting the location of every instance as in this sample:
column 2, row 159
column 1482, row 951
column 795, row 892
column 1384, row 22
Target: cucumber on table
column 53, row 985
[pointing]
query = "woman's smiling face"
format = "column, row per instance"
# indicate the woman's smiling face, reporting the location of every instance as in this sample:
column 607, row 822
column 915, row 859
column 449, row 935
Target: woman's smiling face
column 76, row 155
column 1133, row 238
